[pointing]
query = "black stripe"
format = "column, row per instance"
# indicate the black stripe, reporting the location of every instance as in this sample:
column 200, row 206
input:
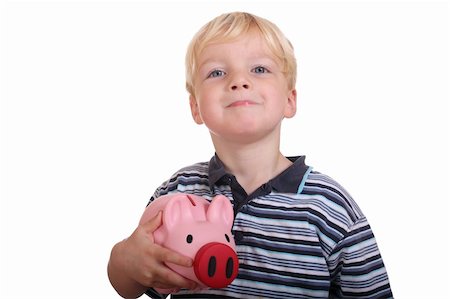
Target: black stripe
column 284, row 273
column 336, row 199
column 300, row 214
column 384, row 290
column 281, row 240
column 276, row 248
column 349, row 241
column 297, row 283
column 212, row 296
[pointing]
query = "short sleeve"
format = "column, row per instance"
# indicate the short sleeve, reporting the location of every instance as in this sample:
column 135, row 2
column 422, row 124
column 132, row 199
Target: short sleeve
column 356, row 267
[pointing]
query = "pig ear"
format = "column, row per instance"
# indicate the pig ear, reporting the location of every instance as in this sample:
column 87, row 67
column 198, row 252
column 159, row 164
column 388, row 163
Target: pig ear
column 177, row 209
column 220, row 210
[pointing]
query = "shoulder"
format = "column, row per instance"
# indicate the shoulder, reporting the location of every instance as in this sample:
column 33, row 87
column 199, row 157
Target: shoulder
column 185, row 178
column 334, row 196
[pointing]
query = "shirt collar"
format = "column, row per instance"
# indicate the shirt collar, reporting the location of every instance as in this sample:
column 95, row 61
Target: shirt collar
column 216, row 170
column 288, row 181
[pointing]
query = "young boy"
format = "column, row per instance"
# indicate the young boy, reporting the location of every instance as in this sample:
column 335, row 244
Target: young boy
column 298, row 233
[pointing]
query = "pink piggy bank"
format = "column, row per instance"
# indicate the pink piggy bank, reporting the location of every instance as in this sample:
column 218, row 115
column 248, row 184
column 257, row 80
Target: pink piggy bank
column 201, row 230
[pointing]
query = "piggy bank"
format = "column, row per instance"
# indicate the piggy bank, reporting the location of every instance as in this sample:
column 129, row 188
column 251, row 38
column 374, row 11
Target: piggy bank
column 201, row 230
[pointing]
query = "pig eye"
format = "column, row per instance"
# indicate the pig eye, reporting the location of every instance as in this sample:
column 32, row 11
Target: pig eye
column 189, row 238
column 228, row 238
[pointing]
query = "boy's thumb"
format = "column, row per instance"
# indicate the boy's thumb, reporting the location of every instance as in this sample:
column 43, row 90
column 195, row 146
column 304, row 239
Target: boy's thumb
column 153, row 223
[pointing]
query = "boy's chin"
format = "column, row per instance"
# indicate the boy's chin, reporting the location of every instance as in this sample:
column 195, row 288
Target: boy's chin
column 242, row 136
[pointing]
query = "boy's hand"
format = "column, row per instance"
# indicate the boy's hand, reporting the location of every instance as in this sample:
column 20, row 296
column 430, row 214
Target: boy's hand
column 143, row 261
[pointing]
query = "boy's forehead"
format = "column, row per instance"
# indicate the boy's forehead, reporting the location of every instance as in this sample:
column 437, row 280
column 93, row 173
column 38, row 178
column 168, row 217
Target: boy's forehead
column 252, row 44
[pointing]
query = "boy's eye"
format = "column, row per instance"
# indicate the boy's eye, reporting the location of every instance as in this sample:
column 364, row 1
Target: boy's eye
column 216, row 73
column 260, row 70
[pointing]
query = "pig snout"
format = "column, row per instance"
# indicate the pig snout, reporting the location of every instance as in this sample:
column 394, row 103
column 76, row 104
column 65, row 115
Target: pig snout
column 216, row 265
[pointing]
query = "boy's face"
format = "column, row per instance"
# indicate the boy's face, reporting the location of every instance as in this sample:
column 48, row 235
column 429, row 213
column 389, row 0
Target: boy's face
column 241, row 93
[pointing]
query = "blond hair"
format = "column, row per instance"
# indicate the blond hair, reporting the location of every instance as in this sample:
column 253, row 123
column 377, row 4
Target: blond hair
column 230, row 26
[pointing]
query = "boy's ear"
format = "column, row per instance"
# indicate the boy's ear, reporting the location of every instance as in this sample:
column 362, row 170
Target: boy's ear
column 291, row 104
column 194, row 110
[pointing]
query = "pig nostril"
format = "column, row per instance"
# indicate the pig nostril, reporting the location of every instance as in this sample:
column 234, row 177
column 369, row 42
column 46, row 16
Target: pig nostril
column 216, row 265
column 230, row 267
column 228, row 238
column 212, row 266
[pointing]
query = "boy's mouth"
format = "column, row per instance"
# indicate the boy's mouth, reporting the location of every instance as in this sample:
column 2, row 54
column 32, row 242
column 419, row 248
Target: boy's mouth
column 242, row 103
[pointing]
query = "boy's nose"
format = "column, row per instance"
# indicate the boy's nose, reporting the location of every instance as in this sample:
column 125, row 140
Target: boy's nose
column 240, row 85
column 239, row 80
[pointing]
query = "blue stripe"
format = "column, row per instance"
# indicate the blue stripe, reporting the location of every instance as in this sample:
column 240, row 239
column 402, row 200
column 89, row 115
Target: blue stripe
column 305, row 176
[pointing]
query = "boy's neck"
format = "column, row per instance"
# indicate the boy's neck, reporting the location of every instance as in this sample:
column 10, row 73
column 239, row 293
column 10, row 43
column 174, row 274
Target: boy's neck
column 252, row 164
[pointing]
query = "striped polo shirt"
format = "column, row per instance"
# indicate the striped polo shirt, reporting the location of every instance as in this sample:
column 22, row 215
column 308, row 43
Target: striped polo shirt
column 300, row 235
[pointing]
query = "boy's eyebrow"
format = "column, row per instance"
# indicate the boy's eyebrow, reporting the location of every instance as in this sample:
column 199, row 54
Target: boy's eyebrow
column 207, row 65
column 208, row 61
column 259, row 59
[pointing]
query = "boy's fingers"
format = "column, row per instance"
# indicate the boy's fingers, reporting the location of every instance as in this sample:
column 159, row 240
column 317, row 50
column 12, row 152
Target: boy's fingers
column 161, row 253
column 170, row 256
column 163, row 286
column 172, row 279
column 153, row 223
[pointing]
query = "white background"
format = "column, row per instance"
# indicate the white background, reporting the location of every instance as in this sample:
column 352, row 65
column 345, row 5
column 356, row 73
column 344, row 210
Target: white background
column 94, row 116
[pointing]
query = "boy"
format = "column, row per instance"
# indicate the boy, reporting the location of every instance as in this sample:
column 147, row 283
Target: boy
column 298, row 233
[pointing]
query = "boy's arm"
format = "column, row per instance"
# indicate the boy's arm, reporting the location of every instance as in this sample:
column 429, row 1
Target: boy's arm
column 137, row 263
column 123, row 284
column 356, row 267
